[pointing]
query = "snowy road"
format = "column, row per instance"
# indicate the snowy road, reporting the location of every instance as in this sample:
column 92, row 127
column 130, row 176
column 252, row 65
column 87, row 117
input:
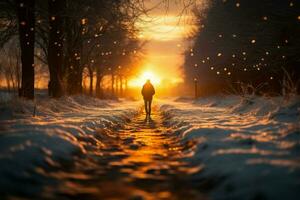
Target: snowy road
column 216, row 148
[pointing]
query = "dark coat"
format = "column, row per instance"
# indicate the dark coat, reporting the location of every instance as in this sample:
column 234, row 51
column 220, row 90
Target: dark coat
column 148, row 91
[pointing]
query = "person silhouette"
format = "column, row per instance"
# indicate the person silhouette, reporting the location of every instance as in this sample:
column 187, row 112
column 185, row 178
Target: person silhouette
column 148, row 92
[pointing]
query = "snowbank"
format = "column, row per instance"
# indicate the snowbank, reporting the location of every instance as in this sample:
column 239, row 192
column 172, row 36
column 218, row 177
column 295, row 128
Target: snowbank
column 252, row 146
column 47, row 133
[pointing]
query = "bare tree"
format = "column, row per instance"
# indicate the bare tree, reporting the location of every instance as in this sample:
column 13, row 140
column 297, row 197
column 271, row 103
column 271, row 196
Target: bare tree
column 25, row 10
column 10, row 67
column 56, row 10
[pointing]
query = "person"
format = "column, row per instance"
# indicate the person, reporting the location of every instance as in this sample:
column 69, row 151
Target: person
column 148, row 92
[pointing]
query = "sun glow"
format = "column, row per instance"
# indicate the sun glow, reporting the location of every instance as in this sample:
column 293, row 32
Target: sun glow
column 143, row 77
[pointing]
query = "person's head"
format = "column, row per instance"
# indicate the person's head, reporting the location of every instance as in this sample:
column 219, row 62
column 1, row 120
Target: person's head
column 148, row 81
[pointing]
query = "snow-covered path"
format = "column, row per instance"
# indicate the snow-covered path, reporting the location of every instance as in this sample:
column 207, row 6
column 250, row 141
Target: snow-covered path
column 143, row 160
column 216, row 148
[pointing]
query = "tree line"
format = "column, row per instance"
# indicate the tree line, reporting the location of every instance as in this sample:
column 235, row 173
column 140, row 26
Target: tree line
column 241, row 42
column 69, row 37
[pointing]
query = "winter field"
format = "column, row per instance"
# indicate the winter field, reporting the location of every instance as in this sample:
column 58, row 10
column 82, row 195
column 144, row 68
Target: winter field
column 224, row 147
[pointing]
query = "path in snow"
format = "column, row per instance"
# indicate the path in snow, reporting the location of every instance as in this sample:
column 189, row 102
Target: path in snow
column 144, row 160
column 214, row 148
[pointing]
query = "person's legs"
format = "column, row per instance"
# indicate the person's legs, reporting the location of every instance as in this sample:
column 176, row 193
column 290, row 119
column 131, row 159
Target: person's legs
column 146, row 106
column 149, row 108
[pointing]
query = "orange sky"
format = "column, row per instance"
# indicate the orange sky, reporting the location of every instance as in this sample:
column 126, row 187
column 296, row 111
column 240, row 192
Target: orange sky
column 165, row 32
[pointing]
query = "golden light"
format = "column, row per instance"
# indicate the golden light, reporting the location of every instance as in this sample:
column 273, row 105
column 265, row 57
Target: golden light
column 143, row 77
column 165, row 27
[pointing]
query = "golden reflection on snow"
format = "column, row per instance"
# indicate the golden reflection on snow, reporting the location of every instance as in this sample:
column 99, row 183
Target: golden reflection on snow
column 153, row 151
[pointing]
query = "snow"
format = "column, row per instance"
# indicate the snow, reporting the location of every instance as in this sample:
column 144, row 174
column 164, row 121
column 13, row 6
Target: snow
column 252, row 144
column 41, row 134
column 245, row 147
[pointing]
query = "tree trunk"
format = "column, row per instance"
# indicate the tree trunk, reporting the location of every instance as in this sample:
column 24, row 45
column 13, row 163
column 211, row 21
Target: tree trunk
column 18, row 72
column 112, row 84
column 116, row 85
column 55, row 47
column 91, row 73
column 73, row 65
column 126, row 86
column 74, row 78
column 121, row 85
column 99, row 91
column 26, row 20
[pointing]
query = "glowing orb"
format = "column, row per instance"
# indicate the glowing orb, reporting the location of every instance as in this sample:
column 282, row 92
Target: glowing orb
column 141, row 79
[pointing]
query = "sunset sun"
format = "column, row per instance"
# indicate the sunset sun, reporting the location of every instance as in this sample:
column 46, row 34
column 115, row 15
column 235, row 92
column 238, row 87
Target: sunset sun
column 143, row 77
